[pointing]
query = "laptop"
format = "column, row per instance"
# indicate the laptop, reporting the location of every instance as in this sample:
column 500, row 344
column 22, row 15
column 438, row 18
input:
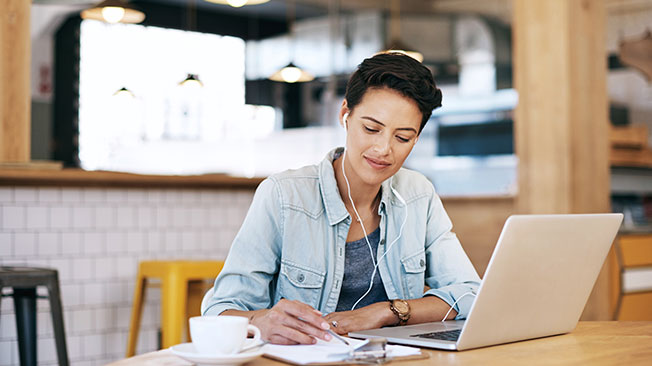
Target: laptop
column 537, row 283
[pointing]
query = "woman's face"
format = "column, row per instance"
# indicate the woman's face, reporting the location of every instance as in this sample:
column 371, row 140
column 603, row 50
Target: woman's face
column 381, row 132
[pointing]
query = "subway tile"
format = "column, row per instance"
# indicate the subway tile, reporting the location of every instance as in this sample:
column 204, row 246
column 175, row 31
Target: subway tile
column 116, row 242
column 198, row 217
column 104, row 268
column 136, row 195
column 71, row 243
column 209, row 196
column 216, row 217
column 48, row 243
column 82, row 217
column 63, row 266
column 189, row 196
column 127, row 267
column 163, row 217
column 93, row 195
column 44, row 324
column 105, row 217
column 118, row 196
column 14, row 217
column 123, row 316
column 113, row 293
column 49, row 195
column 172, row 242
column 180, row 217
column 146, row 217
column 8, row 353
column 47, row 351
column 93, row 345
column 155, row 196
column 71, row 195
column 83, row 321
column 116, row 342
column 6, row 245
column 147, row 341
column 68, row 321
column 126, row 217
column 82, row 268
column 25, row 194
column 7, row 326
column 154, row 242
column 36, row 217
column 190, row 241
column 136, row 242
column 60, row 217
column 6, row 194
column 93, row 243
column 93, row 294
column 25, row 244
column 172, row 196
column 74, row 345
column 71, row 294
column 104, row 320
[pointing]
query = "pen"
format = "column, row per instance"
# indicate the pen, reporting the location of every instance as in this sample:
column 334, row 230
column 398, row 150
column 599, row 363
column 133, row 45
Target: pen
column 330, row 331
column 338, row 337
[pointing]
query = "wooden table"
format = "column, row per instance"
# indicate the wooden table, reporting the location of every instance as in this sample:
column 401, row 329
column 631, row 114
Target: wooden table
column 591, row 343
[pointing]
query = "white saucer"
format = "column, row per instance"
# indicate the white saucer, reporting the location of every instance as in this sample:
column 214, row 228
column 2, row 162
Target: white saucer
column 188, row 352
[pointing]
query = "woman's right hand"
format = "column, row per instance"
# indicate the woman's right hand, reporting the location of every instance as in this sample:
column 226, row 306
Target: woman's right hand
column 291, row 322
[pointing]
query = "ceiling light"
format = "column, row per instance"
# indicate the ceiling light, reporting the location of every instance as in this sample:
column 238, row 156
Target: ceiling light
column 192, row 81
column 114, row 11
column 237, row 3
column 292, row 74
column 400, row 47
column 124, row 93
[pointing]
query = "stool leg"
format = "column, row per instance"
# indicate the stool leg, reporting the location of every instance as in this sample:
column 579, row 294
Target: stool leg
column 136, row 312
column 173, row 308
column 57, row 321
column 25, row 307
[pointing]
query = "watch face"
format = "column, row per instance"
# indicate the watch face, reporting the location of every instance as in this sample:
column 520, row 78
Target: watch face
column 401, row 306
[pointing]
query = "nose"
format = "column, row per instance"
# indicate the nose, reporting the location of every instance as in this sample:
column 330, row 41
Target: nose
column 383, row 144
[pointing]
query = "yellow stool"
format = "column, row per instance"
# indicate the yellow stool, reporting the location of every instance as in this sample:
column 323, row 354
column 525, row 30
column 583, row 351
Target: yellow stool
column 175, row 276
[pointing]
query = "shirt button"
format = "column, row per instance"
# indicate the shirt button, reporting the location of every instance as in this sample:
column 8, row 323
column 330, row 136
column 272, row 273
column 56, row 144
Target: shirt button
column 422, row 263
column 301, row 277
column 382, row 242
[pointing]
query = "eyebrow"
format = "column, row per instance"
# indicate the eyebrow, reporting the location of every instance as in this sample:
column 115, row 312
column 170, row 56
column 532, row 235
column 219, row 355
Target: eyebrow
column 382, row 124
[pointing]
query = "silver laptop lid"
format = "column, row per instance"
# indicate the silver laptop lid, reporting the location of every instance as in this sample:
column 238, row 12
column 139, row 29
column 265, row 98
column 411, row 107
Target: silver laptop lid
column 539, row 277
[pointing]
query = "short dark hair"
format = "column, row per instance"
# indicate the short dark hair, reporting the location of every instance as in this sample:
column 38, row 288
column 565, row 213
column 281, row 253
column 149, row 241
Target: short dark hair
column 398, row 72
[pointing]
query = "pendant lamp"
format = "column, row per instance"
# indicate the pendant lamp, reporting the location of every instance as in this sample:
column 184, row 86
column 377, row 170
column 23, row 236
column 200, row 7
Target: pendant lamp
column 238, row 3
column 291, row 73
column 192, row 80
column 114, row 11
column 395, row 44
column 638, row 54
column 124, row 93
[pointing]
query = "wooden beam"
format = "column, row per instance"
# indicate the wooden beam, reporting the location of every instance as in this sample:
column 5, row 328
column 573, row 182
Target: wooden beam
column 15, row 96
column 561, row 122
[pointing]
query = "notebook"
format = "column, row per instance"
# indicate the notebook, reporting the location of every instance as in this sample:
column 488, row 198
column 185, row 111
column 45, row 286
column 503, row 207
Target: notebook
column 538, row 280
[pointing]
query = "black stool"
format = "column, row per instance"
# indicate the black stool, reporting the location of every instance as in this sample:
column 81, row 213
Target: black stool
column 24, row 281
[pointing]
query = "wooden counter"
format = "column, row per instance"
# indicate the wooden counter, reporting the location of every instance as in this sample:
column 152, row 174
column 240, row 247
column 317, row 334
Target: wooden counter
column 83, row 178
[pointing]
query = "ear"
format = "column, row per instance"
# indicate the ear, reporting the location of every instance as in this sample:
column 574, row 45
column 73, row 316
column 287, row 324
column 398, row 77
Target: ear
column 344, row 110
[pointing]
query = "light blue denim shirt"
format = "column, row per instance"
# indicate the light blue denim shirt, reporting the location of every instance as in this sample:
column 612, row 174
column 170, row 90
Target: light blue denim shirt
column 292, row 243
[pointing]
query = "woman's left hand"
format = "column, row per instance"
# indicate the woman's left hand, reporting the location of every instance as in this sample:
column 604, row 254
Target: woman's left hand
column 369, row 317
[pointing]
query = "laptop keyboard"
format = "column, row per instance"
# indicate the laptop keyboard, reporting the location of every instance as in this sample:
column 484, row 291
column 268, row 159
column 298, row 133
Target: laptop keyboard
column 449, row 335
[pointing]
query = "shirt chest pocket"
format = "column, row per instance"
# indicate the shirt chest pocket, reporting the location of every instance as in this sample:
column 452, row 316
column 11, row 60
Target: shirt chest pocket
column 300, row 283
column 414, row 267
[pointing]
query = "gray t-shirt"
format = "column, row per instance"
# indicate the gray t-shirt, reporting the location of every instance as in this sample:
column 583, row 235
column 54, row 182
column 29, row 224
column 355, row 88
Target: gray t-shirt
column 358, row 268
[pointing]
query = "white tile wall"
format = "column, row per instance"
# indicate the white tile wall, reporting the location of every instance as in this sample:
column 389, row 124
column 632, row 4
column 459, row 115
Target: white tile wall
column 95, row 238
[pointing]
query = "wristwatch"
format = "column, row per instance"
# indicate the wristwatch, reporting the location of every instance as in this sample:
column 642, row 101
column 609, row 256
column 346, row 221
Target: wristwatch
column 402, row 310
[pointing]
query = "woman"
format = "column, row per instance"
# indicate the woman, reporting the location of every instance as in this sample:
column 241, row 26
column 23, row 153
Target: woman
column 313, row 238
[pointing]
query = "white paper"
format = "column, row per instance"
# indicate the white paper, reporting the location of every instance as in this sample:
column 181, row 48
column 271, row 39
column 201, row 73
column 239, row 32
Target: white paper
column 331, row 351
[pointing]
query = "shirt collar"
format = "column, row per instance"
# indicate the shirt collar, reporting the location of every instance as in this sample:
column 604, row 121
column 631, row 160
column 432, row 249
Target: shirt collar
column 335, row 209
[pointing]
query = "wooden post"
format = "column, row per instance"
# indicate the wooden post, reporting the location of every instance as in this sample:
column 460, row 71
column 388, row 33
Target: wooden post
column 561, row 122
column 15, row 96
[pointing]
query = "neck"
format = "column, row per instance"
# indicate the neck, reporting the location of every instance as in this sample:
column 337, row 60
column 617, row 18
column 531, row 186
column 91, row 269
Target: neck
column 365, row 196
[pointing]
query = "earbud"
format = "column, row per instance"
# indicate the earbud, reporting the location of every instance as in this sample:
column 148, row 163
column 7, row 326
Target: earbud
column 344, row 120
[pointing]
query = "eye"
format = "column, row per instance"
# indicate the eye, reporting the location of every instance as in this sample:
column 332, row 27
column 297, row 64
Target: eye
column 403, row 139
column 368, row 129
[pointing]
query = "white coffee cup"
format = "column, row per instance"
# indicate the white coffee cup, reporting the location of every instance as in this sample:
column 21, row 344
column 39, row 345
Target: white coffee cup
column 221, row 335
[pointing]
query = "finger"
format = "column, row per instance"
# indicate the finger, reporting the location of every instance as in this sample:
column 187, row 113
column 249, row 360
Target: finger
column 278, row 339
column 295, row 335
column 306, row 313
column 306, row 328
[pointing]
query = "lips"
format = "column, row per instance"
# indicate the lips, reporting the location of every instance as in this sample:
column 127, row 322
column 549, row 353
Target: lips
column 377, row 164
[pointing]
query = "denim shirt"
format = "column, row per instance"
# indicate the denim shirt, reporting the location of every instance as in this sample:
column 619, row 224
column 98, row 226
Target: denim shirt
column 292, row 242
